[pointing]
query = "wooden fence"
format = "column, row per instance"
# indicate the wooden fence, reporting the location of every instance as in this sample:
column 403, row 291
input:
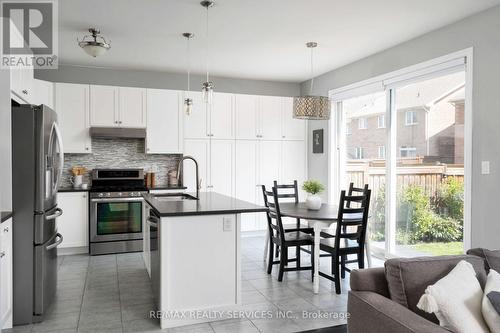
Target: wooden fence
column 429, row 177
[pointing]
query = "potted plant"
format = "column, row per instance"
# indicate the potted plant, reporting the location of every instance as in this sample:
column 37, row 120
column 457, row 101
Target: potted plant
column 313, row 187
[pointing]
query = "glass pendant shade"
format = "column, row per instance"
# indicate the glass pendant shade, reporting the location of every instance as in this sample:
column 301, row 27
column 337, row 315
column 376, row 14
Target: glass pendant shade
column 94, row 50
column 188, row 106
column 311, row 107
column 208, row 92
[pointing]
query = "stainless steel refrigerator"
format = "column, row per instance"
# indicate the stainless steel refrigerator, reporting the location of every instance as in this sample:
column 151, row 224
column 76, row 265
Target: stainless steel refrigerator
column 37, row 163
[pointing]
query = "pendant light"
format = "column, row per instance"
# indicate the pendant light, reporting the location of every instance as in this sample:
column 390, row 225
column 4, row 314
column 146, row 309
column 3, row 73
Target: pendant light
column 207, row 88
column 309, row 106
column 188, row 102
column 94, row 44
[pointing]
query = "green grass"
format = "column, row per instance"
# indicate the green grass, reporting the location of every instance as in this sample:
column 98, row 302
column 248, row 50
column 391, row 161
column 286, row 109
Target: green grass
column 438, row 249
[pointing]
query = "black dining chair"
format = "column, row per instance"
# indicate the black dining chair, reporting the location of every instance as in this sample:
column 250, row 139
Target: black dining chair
column 282, row 239
column 325, row 234
column 347, row 241
column 290, row 192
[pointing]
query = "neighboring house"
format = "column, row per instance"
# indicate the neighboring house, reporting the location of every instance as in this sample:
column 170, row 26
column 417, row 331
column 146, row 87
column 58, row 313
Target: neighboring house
column 430, row 122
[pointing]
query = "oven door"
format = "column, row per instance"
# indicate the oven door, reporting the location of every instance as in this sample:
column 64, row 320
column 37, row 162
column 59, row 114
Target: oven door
column 115, row 219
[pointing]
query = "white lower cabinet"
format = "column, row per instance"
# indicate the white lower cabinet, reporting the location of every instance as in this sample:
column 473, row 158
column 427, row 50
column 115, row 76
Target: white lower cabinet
column 6, row 274
column 246, row 187
column 221, row 166
column 73, row 225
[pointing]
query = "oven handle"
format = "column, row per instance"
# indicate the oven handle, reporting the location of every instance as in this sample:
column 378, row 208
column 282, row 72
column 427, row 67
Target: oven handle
column 136, row 199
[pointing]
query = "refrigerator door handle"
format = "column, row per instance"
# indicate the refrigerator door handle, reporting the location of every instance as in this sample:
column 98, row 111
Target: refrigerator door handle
column 61, row 157
column 56, row 244
column 58, row 212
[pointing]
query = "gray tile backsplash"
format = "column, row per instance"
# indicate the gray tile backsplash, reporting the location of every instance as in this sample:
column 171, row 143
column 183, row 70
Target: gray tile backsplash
column 120, row 153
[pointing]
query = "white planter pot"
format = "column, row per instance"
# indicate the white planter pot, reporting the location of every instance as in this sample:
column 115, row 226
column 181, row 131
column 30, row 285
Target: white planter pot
column 313, row 202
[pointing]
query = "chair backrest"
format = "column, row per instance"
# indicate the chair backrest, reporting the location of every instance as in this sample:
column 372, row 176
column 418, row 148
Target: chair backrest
column 356, row 190
column 273, row 213
column 352, row 222
column 287, row 191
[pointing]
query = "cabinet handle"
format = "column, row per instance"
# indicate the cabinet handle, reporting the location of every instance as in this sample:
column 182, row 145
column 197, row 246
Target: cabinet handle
column 120, row 121
column 283, row 136
column 25, row 92
column 6, row 229
column 2, row 254
column 86, row 148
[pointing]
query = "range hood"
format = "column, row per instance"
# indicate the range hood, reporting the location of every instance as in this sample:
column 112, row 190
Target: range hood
column 115, row 132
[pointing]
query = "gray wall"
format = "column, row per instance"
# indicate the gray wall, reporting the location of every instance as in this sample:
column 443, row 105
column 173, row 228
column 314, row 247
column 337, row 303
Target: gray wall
column 5, row 143
column 480, row 31
column 175, row 81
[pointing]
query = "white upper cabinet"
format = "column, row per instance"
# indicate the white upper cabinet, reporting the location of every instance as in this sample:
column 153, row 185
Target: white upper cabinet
column 163, row 122
column 132, row 107
column 43, row 92
column 72, row 107
column 196, row 124
column 270, row 117
column 293, row 129
column 21, row 77
column 222, row 116
column 222, row 166
column 246, row 116
column 104, row 106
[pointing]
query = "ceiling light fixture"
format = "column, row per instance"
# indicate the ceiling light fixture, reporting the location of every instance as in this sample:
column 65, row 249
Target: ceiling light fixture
column 94, row 45
column 188, row 102
column 207, row 88
column 309, row 106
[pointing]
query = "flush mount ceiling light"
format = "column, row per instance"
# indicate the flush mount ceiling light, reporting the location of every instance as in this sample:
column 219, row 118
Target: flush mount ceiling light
column 207, row 88
column 188, row 102
column 309, row 106
column 94, row 45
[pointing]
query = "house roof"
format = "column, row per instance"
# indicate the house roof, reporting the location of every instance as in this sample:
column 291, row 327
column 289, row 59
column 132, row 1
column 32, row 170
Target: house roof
column 413, row 96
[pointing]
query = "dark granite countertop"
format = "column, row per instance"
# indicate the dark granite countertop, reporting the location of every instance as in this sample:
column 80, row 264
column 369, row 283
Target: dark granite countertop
column 5, row 215
column 72, row 189
column 210, row 203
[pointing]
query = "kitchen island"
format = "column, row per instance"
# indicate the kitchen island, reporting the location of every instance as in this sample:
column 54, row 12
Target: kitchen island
column 192, row 252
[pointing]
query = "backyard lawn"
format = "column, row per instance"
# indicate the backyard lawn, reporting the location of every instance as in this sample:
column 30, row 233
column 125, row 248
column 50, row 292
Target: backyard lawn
column 438, row 249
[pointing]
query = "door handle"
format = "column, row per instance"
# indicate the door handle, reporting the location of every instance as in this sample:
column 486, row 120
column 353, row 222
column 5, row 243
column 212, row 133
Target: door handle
column 58, row 213
column 56, row 244
column 152, row 222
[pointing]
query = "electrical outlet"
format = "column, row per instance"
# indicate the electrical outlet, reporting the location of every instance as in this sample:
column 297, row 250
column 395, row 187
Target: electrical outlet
column 227, row 223
column 485, row 167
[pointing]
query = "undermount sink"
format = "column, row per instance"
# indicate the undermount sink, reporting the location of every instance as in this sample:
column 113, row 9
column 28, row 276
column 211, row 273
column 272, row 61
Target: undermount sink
column 174, row 197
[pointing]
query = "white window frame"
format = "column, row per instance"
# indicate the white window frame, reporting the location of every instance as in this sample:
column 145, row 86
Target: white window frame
column 407, row 150
column 381, row 116
column 381, row 152
column 414, row 119
column 359, row 153
column 362, row 123
column 388, row 82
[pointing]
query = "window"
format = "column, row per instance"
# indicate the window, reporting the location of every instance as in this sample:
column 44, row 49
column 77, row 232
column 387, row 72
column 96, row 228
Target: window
column 381, row 152
column 360, row 152
column 362, row 123
column 348, row 129
column 408, row 151
column 381, row 121
column 411, row 118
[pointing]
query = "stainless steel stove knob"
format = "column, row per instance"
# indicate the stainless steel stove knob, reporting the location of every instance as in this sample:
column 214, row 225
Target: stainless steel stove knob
column 108, row 194
column 100, row 195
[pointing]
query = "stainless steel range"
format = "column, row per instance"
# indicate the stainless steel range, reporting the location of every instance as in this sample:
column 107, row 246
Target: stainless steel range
column 116, row 210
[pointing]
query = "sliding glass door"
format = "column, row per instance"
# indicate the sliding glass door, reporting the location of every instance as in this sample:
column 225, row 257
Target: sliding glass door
column 407, row 142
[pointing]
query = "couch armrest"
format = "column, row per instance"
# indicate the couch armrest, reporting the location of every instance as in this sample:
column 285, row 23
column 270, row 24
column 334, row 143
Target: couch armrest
column 371, row 312
column 371, row 279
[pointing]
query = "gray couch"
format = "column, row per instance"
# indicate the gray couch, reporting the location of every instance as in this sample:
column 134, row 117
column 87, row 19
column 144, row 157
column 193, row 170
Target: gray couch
column 384, row 300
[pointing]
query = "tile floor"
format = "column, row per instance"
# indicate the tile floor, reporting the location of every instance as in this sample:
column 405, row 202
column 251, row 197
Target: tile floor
column 112, row 293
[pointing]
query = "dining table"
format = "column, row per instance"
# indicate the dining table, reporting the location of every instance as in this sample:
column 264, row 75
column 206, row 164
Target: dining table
column 320, row 219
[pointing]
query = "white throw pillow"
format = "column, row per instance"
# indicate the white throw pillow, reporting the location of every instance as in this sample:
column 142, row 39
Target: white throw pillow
column 456, row 300
column 489, row 313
